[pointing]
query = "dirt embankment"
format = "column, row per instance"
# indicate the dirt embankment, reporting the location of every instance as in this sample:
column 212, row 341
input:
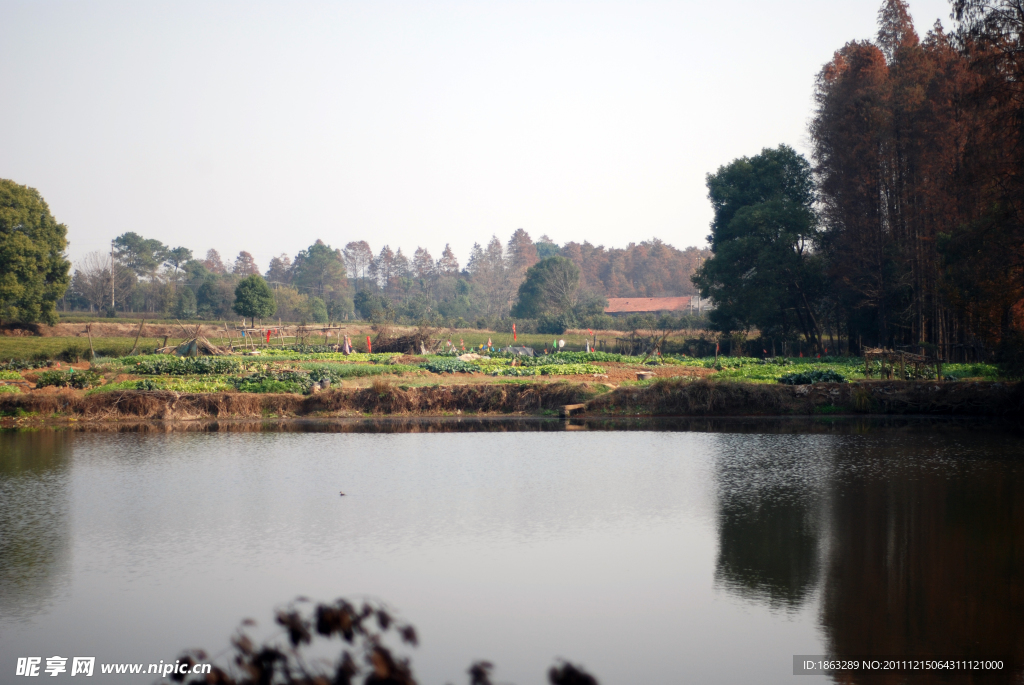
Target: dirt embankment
column 380, row 398
column 669, row 397
column 677, row 397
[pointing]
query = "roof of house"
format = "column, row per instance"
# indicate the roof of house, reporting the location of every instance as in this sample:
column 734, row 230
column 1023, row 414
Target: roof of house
column 629, row 305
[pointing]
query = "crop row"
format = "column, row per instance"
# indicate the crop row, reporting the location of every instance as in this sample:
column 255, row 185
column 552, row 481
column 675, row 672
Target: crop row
column 164, row 365
column 548, row 370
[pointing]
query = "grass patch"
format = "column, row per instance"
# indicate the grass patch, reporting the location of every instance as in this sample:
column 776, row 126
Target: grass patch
column 17, row 413
column 341, row 371
column 185, row 385
column 167, row 365
column 32, row 347
column 989, row 372
column 450, row 365
column 750, row 370
column 268, row 385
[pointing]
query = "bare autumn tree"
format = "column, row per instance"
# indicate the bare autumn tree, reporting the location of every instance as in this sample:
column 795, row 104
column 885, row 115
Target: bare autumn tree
column 422, row 264
column 358, row 257
column 490, row 273
column 382, row 269
column 522, row 253
column 448, row 264
column 401, row 282
column 280, row 270
column 244, row 265
column 650, row 268
column 213, row 262
column 91, row 279
column 887, row 143
column 424, row 270
column 985, row 259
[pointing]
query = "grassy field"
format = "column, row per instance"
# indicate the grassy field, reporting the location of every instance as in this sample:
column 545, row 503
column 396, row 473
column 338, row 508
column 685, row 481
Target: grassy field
column 17, row 347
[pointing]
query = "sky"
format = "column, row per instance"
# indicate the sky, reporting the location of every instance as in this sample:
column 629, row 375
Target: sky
column 263, row 126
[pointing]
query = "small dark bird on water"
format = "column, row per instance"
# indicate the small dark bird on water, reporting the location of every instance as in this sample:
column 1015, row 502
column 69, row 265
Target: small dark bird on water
column 342, row 494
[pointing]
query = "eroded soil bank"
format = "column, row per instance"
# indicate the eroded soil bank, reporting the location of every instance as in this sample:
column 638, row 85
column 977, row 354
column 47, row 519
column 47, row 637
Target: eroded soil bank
column 669, row 397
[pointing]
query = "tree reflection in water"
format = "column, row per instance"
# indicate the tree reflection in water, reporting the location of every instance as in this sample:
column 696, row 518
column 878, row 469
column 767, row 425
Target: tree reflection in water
column 917, row 541
column 34, row 521
column 927, row 555
column 769, row 498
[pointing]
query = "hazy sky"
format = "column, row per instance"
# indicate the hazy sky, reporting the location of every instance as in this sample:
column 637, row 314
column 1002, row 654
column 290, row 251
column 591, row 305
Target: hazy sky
column 264, row 126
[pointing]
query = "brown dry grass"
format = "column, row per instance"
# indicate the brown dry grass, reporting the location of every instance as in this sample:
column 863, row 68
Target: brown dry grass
column 382, row 397
column 665, row 397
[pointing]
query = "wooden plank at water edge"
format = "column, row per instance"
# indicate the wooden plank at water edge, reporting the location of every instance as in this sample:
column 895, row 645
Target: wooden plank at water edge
column 568, row 409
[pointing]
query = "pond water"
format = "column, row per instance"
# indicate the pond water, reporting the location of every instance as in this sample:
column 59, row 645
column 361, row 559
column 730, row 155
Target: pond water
column 700, row 552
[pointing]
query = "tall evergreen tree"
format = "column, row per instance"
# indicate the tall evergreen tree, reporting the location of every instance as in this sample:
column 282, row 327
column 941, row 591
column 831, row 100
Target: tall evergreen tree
column 33, row 270
column 254, row 298
column 321, row 271
column 764, row 272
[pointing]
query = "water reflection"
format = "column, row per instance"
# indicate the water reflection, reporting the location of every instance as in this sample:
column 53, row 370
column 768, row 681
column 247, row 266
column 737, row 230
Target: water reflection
column 507, row 424
column 914, row 539
column 857, row 537
column 34, row 520
column 769, row 526
column 927, row 555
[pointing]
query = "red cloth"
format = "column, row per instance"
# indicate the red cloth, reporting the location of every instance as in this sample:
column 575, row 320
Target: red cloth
column 369, row 347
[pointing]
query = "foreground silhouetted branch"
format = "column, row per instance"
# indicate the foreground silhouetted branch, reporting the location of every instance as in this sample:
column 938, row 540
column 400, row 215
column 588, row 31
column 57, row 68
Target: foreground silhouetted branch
column 365, row 630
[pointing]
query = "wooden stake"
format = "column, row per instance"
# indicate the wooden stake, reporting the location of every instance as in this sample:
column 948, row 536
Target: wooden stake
column 136, row 345
column 88, row 329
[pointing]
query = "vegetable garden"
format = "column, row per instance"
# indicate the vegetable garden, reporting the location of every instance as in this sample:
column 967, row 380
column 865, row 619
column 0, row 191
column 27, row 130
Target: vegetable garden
column 309, row 369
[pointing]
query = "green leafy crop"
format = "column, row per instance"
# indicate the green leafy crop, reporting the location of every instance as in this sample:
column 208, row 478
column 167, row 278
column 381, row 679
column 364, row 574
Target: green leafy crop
column 68, row 379
column 815, row 376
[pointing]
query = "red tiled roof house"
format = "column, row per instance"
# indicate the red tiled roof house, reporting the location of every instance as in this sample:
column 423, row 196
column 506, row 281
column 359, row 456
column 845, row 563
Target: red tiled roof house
column 646, row 305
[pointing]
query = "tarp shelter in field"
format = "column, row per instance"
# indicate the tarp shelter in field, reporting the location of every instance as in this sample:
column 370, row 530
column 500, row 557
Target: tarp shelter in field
column 194, row 345
column 521, row 351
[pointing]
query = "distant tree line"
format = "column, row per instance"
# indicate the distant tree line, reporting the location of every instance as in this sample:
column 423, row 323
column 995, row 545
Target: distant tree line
column 144, row 275
column 907, row 231
column 322, row 283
